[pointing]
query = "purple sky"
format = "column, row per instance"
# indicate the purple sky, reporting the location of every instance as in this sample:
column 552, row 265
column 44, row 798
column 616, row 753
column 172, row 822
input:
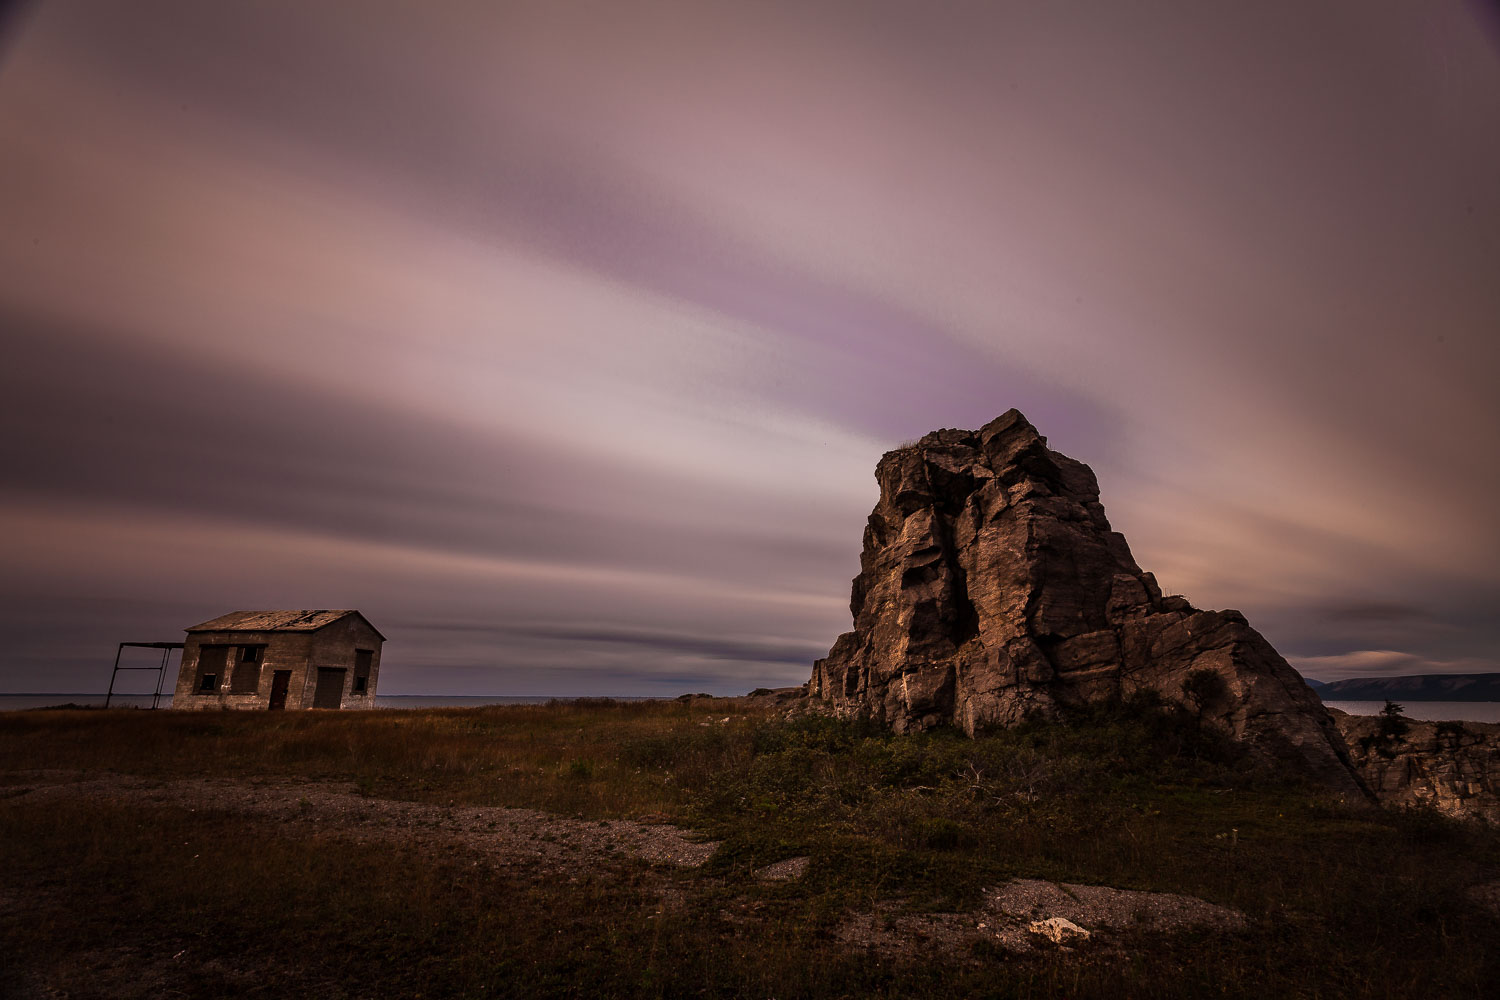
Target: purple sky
column 562, row 339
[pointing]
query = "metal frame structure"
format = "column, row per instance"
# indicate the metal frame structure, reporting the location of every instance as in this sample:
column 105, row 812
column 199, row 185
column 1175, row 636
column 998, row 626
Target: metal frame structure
column 161, row 668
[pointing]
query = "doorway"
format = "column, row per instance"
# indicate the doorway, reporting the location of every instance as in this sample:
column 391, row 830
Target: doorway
column 280, row 681
column 330, row 690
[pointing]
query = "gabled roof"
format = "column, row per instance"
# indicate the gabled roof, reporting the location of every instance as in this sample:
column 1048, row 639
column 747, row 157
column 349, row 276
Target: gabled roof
column 276, row 621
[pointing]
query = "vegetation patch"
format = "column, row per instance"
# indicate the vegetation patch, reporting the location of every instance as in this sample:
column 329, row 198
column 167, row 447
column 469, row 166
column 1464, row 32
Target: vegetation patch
column 119, row 896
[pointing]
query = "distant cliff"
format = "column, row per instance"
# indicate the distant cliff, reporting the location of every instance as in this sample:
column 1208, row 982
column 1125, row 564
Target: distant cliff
column 1414, row 687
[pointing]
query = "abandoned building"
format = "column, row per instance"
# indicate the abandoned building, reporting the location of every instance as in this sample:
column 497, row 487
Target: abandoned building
column 280, row 660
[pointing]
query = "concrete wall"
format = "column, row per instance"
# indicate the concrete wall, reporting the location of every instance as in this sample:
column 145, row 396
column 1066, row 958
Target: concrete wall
column 302, row 653
column 335, row 646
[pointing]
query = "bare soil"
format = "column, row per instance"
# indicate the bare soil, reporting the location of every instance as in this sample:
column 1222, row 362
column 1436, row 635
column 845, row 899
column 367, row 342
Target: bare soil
column 541, row 844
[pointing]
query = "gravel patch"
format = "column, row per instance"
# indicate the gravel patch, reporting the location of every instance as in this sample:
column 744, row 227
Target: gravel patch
column 783, row 871
column 525, row 839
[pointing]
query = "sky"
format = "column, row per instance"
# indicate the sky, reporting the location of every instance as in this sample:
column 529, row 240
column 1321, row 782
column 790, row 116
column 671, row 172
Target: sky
column 562, row 339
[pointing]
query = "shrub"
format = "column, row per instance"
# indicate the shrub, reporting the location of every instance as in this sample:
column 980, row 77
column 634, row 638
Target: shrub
column 1205, row 689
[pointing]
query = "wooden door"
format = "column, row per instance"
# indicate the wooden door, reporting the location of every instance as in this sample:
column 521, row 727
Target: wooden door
column 330, row 690
column 280, row 681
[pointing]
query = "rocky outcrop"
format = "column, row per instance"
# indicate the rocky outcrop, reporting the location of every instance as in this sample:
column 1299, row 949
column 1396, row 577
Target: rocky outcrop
column 991, row 586
column 1452, row 767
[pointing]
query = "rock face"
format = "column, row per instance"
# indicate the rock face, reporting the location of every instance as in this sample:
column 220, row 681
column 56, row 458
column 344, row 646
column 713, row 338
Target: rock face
column 991, row 586
column 1452, row 767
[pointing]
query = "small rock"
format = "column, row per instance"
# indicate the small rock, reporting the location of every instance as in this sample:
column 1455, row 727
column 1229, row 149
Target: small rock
column 1059, row 930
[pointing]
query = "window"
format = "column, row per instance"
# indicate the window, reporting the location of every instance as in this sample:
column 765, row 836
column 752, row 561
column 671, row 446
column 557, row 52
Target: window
column 362, row 660
column 211, row 663
column 246, row 676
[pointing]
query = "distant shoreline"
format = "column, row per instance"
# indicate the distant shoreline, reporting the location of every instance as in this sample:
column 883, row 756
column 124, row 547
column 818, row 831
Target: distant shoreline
column 20, row 702
column 1412, row 687
column 1423, row 710
column 1426, row 711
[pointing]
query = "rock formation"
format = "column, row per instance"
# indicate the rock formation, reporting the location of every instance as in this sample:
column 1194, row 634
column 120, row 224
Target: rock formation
column 1452, row 767
column 991, row 586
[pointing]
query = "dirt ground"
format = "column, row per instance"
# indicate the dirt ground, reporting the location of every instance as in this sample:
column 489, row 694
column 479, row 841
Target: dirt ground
column 544, row 845
column 1012, row 918
column 538, row 842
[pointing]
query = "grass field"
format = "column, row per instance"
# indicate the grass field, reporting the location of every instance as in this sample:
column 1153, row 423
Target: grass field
column 106, row 897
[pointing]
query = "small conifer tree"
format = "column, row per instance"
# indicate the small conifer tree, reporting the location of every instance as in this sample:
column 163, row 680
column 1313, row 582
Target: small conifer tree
column 1390, row 728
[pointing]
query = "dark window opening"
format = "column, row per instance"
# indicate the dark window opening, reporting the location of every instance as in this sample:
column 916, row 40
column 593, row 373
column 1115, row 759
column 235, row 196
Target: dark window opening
column 211, row 663
column 362, row 661
column 246, row 676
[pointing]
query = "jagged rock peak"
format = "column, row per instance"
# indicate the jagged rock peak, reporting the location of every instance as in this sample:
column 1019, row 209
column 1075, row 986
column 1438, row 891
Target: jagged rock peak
column 991, row 586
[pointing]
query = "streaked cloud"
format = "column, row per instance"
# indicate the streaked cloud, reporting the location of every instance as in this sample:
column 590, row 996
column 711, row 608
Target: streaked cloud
column 583, row 326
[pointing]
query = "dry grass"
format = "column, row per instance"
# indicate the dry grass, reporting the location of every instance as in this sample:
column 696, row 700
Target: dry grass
column 597, row 758
column 1341, row 901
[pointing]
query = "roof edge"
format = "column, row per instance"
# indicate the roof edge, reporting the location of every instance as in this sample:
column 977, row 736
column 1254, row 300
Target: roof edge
column 369, row 624
column 199, row 628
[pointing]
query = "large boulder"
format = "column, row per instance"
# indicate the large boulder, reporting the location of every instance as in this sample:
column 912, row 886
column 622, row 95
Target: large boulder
column 991, row 587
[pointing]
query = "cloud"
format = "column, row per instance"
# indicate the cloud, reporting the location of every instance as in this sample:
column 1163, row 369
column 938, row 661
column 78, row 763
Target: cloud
column 1373, row 611
column 577, row 322
column 677, row 644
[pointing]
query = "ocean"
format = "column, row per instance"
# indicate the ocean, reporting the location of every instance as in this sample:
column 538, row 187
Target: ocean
column 1428, row 711
column 1434, row 711
column 17, row 702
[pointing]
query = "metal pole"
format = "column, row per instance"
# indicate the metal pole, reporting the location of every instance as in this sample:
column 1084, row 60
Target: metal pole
column 112, row 674
column 160, row 676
